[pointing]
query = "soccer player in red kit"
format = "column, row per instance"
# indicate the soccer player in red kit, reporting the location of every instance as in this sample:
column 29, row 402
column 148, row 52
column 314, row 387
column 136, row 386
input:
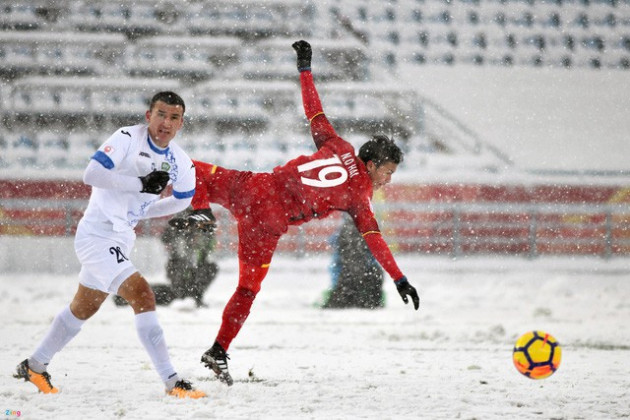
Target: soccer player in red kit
column 308, row 187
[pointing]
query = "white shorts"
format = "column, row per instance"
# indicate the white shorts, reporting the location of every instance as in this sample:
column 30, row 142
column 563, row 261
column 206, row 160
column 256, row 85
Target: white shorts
column 104, row 257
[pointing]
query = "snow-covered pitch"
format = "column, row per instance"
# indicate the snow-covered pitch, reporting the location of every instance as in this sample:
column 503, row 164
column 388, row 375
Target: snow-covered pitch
column 451, row 359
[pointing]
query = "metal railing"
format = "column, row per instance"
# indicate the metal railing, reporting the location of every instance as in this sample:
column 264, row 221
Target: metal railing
column 529, row 229
column 456, row 229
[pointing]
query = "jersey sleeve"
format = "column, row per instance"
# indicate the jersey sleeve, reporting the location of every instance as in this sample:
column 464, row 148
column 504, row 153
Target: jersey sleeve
column 167, row 206
column 184, row 185
column 113, row 151
column 368, row 227
column 99, row 176
column 99, row 171
column 382, row 253
column 321, row 129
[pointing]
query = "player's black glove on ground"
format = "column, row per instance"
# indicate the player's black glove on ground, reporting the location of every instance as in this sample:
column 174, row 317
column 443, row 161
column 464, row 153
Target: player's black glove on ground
column 202, row 219
column 304, row 53
column 154, row 182
column 405, row 289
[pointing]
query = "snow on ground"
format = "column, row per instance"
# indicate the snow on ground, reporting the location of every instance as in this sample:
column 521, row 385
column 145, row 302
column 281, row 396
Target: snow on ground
column 451, row 359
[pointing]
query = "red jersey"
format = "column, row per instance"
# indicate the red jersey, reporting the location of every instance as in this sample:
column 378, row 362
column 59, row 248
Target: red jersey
column 331, row 179
column 307, row 187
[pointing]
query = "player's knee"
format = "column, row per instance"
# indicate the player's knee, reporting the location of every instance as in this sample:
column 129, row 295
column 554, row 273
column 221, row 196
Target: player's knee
column 142, row 304
column 85, row 309
column 139, row 294
column 251, row 276
column 247, row 292
column 86, row 302
column 143, row 301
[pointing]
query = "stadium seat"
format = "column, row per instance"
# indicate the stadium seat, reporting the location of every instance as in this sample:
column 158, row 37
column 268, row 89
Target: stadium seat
column 81, row 146
column 188, row 58
column 53, row 149
column 21, row 150
column 95, row 64
column 4, row 151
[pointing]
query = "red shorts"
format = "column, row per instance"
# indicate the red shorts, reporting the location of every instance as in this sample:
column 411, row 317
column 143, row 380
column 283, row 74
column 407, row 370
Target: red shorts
column 252, row 198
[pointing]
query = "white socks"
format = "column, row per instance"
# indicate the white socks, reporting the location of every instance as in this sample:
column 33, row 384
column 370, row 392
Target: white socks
column 152, row 337
column 63, row 329
column 65, row 326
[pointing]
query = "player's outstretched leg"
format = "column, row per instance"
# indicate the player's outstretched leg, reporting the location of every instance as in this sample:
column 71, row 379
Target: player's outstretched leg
column 215, row 359
column 184, row 389
column 40, row 380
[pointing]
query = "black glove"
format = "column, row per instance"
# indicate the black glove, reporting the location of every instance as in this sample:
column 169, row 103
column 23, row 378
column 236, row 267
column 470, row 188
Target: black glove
column 405, row 289
column 202, row 219
column 154, row 182
column 304, row 53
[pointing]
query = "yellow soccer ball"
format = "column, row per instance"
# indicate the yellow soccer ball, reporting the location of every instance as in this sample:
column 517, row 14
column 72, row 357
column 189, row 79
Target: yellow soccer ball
column 537, row 354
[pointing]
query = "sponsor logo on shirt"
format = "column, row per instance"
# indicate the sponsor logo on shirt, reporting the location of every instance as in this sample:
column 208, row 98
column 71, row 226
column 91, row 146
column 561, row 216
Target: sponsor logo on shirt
column 145, row 154
column 108, row 149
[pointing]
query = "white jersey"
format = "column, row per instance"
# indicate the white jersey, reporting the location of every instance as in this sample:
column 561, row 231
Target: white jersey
column 131, row 152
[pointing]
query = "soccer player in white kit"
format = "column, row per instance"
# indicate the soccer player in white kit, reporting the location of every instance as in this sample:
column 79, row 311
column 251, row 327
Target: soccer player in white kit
column 127, row 175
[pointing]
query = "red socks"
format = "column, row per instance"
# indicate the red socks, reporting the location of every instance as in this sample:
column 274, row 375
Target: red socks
column 238, row 307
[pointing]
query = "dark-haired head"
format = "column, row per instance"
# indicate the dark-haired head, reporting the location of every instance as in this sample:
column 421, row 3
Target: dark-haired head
column 381, row 157
column 169, row 98
column 379, row 150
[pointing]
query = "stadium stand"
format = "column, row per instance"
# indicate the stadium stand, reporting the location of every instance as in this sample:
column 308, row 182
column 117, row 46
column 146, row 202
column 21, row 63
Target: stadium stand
column 187, row 58
column 73, row 71
column 188, row 43
column 64, row 53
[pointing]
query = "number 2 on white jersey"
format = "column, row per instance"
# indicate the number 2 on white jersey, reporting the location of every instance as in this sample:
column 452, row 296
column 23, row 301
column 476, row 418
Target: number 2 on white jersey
column 329, row 166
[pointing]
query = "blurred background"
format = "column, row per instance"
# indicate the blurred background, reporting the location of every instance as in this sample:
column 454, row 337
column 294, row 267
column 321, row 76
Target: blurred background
column 513, row 114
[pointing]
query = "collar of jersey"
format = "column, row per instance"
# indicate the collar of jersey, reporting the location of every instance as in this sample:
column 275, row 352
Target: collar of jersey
column 155, row 148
